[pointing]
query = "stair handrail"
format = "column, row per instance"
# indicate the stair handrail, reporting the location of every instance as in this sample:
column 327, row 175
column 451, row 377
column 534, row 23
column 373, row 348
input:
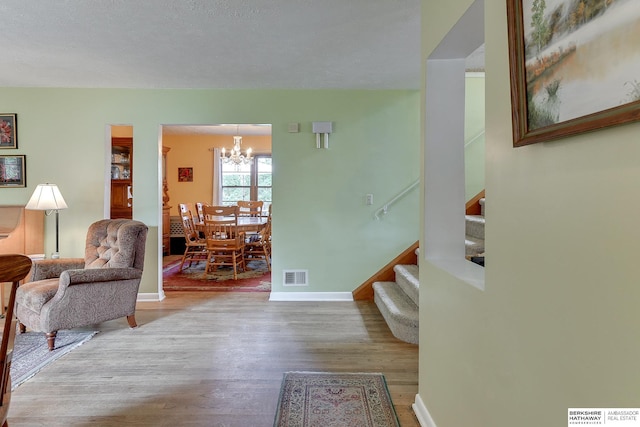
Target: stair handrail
column 385, row 208
column 467, row 143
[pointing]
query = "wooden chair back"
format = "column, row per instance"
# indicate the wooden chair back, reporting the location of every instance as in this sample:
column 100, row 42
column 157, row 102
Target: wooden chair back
column 191, row 210
column 250, row 207
column 225, row 245
column 220, row 222
column 200, row 212
column 191, row 235
column 13, row 268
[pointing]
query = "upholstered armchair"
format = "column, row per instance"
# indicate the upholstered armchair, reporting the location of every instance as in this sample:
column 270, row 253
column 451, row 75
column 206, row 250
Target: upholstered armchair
column 74, row 292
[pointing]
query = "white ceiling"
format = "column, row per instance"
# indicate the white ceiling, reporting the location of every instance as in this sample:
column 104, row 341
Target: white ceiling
column 225, row 44
column 212, row 44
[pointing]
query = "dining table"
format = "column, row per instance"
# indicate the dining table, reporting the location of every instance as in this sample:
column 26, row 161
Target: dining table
column 245, row 223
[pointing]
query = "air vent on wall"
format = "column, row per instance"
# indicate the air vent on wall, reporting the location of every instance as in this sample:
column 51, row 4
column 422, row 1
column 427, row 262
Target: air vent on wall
column 295, row 277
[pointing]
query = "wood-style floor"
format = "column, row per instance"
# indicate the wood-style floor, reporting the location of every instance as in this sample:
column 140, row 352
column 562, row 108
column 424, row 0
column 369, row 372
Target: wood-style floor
column 212, row 359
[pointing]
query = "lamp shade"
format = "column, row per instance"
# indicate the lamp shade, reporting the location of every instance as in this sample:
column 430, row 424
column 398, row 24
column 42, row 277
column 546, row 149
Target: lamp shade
column 46, row 197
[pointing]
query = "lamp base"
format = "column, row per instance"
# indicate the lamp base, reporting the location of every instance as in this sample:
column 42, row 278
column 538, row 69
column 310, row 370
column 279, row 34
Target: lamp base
column 55, row 255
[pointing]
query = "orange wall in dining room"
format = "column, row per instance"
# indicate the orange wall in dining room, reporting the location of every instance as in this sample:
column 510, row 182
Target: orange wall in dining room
column 193, row 151
column 118, row 131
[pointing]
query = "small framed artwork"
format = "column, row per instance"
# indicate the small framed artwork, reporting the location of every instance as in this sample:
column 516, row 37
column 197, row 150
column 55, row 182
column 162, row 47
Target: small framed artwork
column 8, row 130
column 13, row 171
column 185, row 174
column 573, row 66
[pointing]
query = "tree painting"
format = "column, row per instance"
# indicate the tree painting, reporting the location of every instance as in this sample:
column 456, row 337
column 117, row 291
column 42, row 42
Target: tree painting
column 580, row 57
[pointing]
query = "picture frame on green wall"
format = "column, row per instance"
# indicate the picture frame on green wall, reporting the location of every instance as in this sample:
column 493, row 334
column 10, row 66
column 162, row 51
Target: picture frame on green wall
column 8, row 130
column 13, row 171
column 573, row 67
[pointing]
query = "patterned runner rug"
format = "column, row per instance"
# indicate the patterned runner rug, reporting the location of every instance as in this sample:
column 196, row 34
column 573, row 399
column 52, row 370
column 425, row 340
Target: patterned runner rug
column 316, row 399
column 31, row 353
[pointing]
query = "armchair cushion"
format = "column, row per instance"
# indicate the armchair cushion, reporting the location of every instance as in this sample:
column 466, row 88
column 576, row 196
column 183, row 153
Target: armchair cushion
column 34, row 295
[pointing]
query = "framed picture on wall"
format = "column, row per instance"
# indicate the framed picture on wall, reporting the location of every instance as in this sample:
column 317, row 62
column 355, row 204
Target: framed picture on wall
column 573, row 66
column 185, row 174
column 8, row 130
column 13, row 171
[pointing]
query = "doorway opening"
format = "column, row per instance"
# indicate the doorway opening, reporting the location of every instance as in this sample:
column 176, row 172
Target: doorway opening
column 194, row 173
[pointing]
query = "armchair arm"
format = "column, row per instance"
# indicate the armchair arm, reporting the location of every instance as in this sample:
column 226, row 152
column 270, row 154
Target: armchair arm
column 51, row 268
column 90, row 275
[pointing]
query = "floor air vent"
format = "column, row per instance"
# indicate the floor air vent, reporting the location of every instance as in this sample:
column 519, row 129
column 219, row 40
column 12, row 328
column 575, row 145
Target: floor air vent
column 295, row 277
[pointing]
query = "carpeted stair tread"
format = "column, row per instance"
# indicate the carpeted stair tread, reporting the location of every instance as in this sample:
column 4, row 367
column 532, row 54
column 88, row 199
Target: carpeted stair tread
column 473, row 246
column 475, row 226
column 407, row 279
column 398, row 310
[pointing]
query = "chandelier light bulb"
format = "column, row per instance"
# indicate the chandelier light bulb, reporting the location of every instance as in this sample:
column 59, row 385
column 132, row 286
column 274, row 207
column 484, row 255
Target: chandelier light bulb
column 235, row 156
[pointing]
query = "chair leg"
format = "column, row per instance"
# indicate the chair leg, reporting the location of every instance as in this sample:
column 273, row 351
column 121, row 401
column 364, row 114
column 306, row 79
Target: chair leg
column 51, row 340
column 132, row 321
column 184, row 258
column 267, row 257
column 235, row 266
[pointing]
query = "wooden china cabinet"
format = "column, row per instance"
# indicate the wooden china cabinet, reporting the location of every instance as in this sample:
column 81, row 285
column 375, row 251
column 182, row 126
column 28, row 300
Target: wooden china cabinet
column 121, row 178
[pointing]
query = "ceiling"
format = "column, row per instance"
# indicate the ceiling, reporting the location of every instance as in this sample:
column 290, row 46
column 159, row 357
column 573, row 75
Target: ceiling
column 222, row 44
column 212, row 44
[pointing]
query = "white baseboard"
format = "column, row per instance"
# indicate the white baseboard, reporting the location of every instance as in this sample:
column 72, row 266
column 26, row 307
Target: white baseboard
column 311, row 296
column 152, row 296
column 422, row 414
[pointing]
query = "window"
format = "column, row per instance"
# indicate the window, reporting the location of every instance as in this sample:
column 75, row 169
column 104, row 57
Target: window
column 247, row 182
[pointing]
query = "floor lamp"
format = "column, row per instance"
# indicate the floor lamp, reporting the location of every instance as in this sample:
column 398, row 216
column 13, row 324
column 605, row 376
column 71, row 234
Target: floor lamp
column 47, row 197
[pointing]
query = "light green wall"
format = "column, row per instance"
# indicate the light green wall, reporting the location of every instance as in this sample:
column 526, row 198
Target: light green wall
column 474, row 141
column 556, row 324
column 321, row 222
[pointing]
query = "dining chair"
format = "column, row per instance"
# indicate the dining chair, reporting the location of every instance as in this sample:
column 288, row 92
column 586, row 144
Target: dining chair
column 200, row 213
column 190, row 209
column 250, row 207
column 195, row 246
column 13, row 268
column 224, row 243
column 259, row 247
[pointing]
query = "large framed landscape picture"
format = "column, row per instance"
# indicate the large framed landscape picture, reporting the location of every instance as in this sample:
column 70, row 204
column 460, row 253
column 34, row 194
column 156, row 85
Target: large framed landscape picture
column 575, row 66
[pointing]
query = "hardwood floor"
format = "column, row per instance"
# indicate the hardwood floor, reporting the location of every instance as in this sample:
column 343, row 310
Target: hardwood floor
column 212, row 359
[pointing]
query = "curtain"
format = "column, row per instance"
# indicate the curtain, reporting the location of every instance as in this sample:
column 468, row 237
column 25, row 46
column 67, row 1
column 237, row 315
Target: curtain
column 216, row 197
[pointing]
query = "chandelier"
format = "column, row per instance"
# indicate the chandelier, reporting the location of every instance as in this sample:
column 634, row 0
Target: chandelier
column 235, row 157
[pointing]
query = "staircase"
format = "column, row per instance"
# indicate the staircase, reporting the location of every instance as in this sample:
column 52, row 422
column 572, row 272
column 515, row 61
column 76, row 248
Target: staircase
column 474, row 239
column 398, row 301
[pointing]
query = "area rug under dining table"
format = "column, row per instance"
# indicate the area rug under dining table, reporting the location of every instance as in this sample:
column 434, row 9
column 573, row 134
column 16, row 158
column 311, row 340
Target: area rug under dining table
column 321, row 399
column 256, row 278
